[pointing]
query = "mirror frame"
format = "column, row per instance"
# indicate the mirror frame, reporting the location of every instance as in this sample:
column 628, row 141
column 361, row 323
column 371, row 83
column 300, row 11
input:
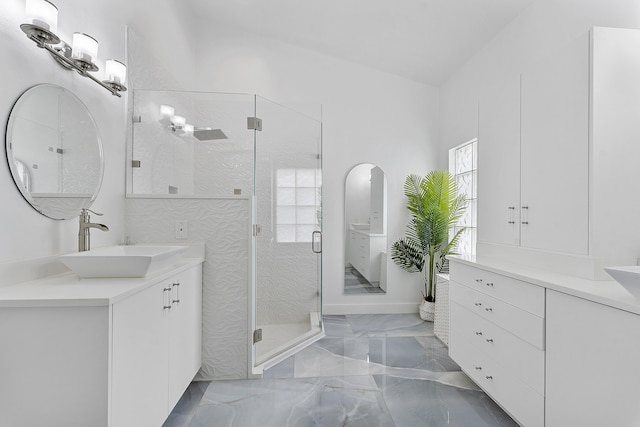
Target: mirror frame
column 67, row 206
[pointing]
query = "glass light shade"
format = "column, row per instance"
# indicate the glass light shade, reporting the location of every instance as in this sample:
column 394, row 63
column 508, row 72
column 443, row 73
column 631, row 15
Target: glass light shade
column 84, row 47
column 42, row 14
column 188, row 129
column 179, row 121
column 116, row 71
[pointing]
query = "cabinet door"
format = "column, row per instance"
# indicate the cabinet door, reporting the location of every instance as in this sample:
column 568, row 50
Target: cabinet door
column 555, row 151
column 185, row 331
column 140, row 359
column 499, row 165
column 592, row 357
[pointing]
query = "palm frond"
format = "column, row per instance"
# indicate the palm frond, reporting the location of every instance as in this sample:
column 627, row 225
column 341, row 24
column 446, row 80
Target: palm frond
column 435, row 208
column 407, row 253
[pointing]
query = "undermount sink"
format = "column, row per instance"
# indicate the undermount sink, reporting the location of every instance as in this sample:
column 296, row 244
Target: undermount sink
column 122, row 261
column 628, row 277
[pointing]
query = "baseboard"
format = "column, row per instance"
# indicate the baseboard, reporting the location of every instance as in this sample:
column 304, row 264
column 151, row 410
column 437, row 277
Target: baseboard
column 379, row 308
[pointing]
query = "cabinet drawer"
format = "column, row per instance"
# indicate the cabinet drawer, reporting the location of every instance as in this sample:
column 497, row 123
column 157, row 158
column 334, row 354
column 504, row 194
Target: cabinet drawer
column 516, row 397
column 516, row 292
column 522, row 324
column 518, row 357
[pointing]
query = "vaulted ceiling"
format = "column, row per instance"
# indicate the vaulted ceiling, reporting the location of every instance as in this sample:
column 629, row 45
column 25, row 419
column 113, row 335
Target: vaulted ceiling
column 421, row 40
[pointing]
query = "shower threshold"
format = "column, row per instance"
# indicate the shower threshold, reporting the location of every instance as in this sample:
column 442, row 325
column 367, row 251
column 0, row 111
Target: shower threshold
column 280, row 341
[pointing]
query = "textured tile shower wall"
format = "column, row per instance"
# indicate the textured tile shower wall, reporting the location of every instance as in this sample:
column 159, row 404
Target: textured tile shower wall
column 223, row 224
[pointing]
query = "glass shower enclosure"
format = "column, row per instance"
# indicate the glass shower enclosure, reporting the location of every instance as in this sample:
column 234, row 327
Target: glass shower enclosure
column 202, row 146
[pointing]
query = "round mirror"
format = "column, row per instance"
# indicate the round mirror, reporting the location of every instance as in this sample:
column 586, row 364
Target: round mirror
column 54, row 151
column 366, row 230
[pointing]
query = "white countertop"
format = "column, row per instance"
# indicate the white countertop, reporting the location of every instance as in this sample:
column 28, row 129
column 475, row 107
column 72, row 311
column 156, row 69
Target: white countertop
column 68, row 290
column 367, row 233
column 607, row 292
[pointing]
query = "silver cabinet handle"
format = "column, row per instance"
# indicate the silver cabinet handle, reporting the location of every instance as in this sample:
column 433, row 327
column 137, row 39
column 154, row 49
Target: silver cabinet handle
column 478, row 304
column 489, row 340
column 525, row 217
column 176, row 286
column 489, row 377
column 478, row 333
column 478, row 280
column 167, row 303
column 512, row 210
column 478, row 368
column 490, row 285
column 488, row 309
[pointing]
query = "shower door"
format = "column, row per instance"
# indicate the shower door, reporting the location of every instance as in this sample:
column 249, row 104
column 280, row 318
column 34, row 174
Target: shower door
column 287, row 231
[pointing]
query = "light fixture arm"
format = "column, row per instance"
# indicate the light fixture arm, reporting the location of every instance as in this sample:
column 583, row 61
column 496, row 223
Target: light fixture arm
column 79, row 66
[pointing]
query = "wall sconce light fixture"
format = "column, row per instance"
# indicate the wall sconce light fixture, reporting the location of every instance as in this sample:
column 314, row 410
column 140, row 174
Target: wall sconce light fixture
column 41, row 27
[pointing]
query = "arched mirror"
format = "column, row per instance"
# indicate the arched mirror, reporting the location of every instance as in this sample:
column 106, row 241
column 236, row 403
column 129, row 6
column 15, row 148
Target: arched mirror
column 366, row 230
column 54, row 151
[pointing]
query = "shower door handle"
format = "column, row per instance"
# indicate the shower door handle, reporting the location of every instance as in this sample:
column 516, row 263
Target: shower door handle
column 316, row 242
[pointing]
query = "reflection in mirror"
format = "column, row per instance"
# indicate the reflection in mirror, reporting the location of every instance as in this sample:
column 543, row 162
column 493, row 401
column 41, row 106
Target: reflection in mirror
column 54, row 151
column 366, row 230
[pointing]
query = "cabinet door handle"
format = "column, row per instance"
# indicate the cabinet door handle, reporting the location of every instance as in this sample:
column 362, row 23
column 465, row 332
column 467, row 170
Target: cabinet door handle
column 489, row 377
column 525, row 215
column 167, row 301
column 176, row 286
column 478, row 280
column 478, row 304
column 490, row 285
column 478, row 333
column 478, row 368
column 512, row 214
column 488, row 309
column 489, row 339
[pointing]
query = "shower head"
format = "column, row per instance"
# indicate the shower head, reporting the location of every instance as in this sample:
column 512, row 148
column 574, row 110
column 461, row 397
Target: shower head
column 208, row 134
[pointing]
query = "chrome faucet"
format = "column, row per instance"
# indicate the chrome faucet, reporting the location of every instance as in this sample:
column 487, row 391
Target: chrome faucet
column 84, row 238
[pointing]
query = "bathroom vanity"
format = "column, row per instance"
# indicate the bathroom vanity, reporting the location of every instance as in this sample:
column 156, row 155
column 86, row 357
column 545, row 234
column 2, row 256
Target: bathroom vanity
column 553, row 350
column 110, row 352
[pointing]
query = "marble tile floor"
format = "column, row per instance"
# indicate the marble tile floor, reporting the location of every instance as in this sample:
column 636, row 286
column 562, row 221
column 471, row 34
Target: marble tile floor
column 370, row 370
column 355, row 283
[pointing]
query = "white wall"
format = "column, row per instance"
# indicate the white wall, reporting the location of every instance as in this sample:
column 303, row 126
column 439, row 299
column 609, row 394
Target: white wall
column 25, row 233
column 540, row 29
column 368, row 116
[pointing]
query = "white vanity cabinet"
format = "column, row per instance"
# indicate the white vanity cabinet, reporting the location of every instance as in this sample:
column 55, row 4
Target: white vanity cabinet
column 156, row 340
column 99, row 352
column 365, row 253
column 592, row 359
column 497, row 338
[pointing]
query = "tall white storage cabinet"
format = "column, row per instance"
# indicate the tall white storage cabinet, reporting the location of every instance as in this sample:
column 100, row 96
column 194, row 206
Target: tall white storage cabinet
column 99, row 352
column 557, row 146
column 499, row 165
column 378, row 202
column 533, row 155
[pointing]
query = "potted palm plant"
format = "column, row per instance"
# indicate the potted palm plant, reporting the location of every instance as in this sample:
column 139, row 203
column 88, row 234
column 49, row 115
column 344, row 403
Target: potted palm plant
column 435, row 208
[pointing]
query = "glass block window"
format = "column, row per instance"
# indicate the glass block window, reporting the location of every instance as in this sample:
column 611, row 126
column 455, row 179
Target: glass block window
column 297, row 204
column 464, row 166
